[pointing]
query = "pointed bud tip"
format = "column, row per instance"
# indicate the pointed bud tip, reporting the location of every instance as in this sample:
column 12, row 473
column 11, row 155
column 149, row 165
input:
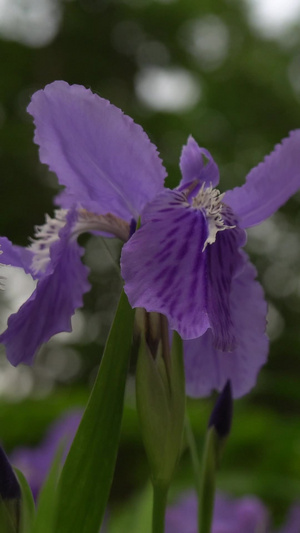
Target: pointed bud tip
column 221, row 415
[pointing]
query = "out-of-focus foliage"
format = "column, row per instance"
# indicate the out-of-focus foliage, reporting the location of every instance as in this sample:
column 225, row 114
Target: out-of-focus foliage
column 178, row 68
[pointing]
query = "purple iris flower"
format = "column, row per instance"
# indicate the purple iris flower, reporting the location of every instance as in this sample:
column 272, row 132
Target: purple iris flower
column 35, row 462
column 247, row 515
column 243, row 515
column 186, row 260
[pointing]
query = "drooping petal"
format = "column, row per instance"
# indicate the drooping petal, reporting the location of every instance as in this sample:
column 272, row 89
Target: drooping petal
column 269, row 185
column 193, row 166
column 104, row 159
column 49, row 309
column 163, row 264
column 224, row 260
column 208, row 368
column 16, row 256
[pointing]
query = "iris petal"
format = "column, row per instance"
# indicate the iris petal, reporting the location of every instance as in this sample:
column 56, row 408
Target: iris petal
column 163, row 264
column 16, row 256
column 269, row 185
column 104, row 159
column 224, row 260
column 208, row 368
column 194, row 167
column 49, row 309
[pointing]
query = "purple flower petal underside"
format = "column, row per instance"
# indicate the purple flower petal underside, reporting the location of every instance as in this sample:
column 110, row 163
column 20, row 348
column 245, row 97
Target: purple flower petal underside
column 104, row 159
column 269, row 185
column 193, row 165
column 49, row 309
column 163, row 264
column 208, row 368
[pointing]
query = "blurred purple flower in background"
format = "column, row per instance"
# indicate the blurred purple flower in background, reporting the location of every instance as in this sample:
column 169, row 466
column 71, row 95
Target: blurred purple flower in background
column 243, row 515
column 185, row 261
column 35, row 462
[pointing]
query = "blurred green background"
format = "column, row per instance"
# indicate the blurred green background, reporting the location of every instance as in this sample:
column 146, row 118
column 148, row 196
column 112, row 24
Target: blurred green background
column 227, row 72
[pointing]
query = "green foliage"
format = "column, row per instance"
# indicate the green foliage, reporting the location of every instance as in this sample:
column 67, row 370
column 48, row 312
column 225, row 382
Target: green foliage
column 87, row 475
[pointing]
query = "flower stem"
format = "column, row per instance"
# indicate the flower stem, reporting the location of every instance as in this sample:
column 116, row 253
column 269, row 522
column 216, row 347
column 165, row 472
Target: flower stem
column 160, row 494
column 193, row 452
column 208, row 483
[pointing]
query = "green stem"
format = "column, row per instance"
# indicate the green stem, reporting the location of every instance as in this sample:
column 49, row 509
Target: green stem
column 208, row 483
column 193, row 451
column 160, row 494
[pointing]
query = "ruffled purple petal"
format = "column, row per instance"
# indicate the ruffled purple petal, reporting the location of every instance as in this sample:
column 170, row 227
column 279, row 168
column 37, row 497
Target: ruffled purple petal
column 269, row 185
column 208, row 368
column 197, row 164
column 163, row 264
column 104, row 159
column 49, row 309
column 16, row 256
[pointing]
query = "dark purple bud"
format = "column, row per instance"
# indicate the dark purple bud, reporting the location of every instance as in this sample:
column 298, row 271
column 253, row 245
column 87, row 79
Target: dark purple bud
column 9, row 486
column 133, row 225
column 221, row 415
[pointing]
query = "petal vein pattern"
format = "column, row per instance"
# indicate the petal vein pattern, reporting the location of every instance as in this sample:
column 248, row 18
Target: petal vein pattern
column 207, row 367
column 164, row 265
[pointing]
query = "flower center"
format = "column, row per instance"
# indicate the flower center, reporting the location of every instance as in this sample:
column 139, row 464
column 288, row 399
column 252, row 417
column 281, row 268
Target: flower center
column 209, row 200
column 47, row 234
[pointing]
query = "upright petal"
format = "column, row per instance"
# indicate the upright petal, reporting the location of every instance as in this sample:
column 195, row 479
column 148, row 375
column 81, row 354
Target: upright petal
column 104, row 159
column 163, row 264
column 269, row 185
column 197, row 164
column 49, row 309
column 208, row 368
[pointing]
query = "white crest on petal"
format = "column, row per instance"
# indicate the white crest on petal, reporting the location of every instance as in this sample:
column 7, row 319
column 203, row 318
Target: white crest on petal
column 210, row 201
column 45, row 236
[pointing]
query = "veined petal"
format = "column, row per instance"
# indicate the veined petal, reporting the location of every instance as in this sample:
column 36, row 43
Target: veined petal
column 16, row 256
column 224, row 260
column 194, row 166
column 269, row 185
column 208, row 368
column 49, row 309
column 104, row 159
column 163, row 264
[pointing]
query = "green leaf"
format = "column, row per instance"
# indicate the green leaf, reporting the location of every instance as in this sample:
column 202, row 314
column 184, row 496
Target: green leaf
column 88, row 472
column 6, row 522
column 27, row 504
column 48, row 498
column 135, row 516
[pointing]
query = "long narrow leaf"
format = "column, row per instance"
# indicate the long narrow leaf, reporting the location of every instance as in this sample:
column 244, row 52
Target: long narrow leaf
column 47, row 501
column 27, row 504
column 88, row 472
